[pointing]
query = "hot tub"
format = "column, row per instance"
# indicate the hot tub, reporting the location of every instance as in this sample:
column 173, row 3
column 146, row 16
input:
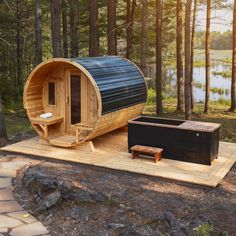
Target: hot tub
column 191, row 141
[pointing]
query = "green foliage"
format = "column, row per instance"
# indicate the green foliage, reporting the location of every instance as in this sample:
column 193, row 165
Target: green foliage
column 203, row 230
column 219, row 91
column 151, row 96
column 198, row 85
column 222, row 101
column 11, row 92
column 227, row 61
column 199, row 63
column 224, row 74
column 219, row 41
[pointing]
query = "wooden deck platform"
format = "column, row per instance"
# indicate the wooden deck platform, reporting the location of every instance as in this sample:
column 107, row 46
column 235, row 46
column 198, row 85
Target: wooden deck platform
column 111, row 152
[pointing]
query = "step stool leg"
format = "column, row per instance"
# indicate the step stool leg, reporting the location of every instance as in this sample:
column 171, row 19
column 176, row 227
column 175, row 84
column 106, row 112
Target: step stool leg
column 134, row 154
column 158, row 157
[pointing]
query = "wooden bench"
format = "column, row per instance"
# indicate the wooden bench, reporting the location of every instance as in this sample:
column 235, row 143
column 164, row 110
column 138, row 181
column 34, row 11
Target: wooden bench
column 45, row 123
column 145, row 150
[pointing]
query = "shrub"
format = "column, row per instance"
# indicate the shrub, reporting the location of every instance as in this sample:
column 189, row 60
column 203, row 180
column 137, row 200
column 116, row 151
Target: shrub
column 203, row 230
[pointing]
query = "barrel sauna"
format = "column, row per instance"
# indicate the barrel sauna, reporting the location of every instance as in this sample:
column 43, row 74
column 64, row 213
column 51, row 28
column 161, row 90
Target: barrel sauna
column 86, row 97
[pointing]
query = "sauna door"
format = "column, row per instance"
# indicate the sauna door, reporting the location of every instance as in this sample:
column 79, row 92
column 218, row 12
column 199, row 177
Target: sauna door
column 73, row 111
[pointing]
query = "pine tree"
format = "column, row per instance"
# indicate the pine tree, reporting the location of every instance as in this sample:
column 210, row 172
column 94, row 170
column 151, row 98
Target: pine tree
column 233, row 82
column 73, row 29
column 187, row 87
column 207, row 55
column 131, row 7
column 111, row 27
column 64, row 28
column 179, row 55
column 93, row 29
column 158, row 56
column 144, row 39
column 38, row 33
column 56, row 28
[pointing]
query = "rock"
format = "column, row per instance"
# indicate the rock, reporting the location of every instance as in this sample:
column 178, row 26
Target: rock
column 100, row 197
column 5, row 182
column 8, row 222
column 48, row 217
column 81, row 195
column 20, row 215
column 9, row 206
column 35, row 228
column 145, row 230
column 128, row 231
column 175, row 233
column 75, row 213
column 115, row 226
column 195, row 222
column 47, row 202
column 174, row 223
column 52, row 199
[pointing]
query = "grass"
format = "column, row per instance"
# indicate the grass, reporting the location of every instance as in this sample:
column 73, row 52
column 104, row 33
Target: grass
column 199, row 85
column 203, row 230
column 199, row 63
column 224, row 74
column 219, row 114
column 16, row 122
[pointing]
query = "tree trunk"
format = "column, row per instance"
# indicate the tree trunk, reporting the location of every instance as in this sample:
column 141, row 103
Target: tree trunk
column 111, row 27
column 3, row 133
column 56, row 28
column 233, row 83
column 64, row 28
column 187, row 87
column 158, row 57
column 192, row 51
column 207, row 55
column 179, row 52
column 129, row 30
column 93, row 29
column 38, row 33
column 73, row 27
column 143, row 56
column 18, row 48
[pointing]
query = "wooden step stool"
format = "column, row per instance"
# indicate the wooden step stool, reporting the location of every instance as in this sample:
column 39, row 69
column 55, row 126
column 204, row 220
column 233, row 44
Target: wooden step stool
column 145, row 150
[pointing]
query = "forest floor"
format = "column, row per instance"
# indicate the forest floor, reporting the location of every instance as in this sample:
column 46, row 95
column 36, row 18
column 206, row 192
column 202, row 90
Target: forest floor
column 84, row 200
column 74, row 199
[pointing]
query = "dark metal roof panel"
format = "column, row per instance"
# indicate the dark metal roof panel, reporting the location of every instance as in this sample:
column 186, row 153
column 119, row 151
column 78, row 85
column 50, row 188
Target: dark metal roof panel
column 120, row 82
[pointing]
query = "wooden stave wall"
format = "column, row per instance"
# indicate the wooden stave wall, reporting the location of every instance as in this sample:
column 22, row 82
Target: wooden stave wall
column 104, row 124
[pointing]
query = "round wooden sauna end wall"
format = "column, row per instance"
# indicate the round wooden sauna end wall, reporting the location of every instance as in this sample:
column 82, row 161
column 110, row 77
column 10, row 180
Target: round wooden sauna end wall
column 83, row 97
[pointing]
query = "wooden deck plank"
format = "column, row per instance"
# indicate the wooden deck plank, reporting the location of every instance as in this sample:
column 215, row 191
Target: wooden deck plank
column 63, row 141
column 113, row 154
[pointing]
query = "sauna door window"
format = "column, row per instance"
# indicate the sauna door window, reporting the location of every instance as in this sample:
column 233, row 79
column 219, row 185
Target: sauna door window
column 75, row 86
column 51, row 93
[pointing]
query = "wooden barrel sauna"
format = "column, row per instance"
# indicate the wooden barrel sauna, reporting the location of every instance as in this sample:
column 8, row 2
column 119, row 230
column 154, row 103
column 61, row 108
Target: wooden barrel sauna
column 87, row 97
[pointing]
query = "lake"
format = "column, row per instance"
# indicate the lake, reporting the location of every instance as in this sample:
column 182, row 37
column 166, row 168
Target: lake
column 220, row 86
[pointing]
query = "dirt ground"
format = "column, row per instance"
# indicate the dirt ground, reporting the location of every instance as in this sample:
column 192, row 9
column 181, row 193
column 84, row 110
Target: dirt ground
column 73, row 199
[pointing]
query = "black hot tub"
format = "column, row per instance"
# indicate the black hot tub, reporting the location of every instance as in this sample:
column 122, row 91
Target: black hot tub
column 191, row 141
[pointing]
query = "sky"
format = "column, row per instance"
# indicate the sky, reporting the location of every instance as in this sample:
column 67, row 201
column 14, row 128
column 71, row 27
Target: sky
column 221, row 20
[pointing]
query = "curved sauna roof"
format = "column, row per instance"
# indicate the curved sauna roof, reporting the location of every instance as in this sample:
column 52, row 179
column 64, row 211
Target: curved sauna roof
column 120, row 82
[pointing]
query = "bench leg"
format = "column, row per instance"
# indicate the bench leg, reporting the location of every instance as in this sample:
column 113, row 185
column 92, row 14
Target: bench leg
column 134, row 155
column 157, row 157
